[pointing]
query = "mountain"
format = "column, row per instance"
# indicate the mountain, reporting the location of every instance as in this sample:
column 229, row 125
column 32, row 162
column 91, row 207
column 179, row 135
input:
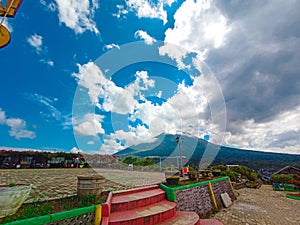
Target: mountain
column 197, row 152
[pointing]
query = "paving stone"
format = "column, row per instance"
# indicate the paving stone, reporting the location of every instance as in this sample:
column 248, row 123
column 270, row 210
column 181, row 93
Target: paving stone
column 261, row 206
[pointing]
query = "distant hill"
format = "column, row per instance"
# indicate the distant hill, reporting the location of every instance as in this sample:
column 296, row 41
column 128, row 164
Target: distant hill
column 193, row 150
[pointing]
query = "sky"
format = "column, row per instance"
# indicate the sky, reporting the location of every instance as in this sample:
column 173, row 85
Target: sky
column 99, row 76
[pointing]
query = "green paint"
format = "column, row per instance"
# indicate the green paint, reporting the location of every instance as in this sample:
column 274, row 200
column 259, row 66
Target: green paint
column 292, row 197
column 170, row 191
column 54, row 217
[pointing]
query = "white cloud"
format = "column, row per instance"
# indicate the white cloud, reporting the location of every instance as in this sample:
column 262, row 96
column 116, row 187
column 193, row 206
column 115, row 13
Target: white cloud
column 48, row 103
column 147, row 9
column 182, row 112
column 75, row 150
column 2, row 117
column 111, row 144
column 174, row 52
column 111, row 46
column 275, row 135
column 140, row 34
column 90, row 125
column 17, row 127
column 199, row 26
column 36, row 41
column 91, row 78
column 50, row 6
column 78, row 15
column 115, row 99
column 122, row 11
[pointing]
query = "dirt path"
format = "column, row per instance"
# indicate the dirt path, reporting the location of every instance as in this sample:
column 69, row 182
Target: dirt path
column 261, row 207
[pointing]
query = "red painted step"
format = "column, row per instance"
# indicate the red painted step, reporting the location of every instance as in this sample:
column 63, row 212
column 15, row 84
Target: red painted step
column 182, row 218
column 146, row 215
column 137, row 199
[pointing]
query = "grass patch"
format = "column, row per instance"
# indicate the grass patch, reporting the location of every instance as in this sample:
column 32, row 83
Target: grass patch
column 41, row 208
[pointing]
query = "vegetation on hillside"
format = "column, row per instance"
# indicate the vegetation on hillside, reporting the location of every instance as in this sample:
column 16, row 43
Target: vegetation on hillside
column 138, row 161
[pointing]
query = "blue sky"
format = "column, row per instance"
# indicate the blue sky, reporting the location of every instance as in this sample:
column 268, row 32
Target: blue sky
column 100, row 76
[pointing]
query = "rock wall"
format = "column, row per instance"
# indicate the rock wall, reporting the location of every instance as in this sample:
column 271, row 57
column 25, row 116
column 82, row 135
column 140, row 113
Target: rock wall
column 87, row 219
column 199, row 199
column 222, row 187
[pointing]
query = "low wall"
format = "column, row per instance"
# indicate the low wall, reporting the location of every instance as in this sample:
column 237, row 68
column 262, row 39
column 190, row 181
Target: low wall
column 86, row 215
column 203, row 198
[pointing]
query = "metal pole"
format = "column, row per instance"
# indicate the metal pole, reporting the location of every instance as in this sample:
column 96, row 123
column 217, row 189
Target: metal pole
column 160, row 163
column 180, row 151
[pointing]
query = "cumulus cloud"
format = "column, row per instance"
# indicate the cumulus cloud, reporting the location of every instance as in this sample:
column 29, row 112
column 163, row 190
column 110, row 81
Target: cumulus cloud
column 17, row 127
column 185, row 111
column 140, row 34
column 279, row 134
column 90, row 125
column 78, row 15
column 148, row 9
column 199, row 25
column 254, row 55
column 36, row 41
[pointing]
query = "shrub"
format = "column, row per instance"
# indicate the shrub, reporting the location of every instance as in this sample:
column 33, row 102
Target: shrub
column 231, row 174
column 193, row 174
column 219, row 167
column 281, row 178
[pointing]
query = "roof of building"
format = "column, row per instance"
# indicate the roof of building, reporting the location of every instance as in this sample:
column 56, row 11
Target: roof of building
column 289, row 168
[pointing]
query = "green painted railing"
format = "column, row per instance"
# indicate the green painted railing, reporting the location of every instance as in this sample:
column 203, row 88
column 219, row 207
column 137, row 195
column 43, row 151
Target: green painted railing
column 292, row 197
column 54, row 217
column 170, row 191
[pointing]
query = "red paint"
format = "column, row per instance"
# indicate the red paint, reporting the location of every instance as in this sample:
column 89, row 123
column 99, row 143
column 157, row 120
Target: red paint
column 293, row 194
column 145, row 206
column 107, row 206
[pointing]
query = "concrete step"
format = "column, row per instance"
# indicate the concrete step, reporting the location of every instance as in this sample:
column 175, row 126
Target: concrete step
column 182, row 218
column 146, row 215
column 135, row 190
column 134, row 200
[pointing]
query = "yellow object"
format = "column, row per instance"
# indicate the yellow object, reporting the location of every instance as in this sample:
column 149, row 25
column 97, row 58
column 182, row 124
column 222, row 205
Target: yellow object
column 231, row 187
column 11, row 8
column 4, row 36
column 212, row 195
column 98, row 215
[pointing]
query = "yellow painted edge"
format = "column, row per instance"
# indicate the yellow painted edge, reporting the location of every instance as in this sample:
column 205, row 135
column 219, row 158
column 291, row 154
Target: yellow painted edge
column 232, row 187
column 212, row 195
column 98, row 215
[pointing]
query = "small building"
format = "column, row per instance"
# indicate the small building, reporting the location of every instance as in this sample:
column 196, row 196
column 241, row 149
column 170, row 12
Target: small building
column 288, row 170
column 229, row 166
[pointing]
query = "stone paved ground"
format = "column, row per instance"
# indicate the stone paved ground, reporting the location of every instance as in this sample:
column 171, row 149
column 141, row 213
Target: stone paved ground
column 254, row 206
column 261, row 207
column 57, row 183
